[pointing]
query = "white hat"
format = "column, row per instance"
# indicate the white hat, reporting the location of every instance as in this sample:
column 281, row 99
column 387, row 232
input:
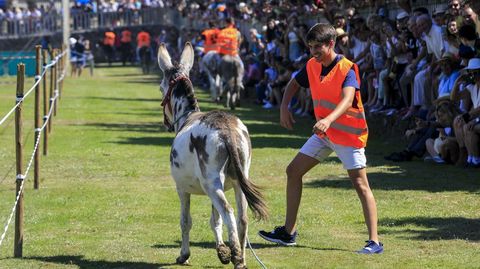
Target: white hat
column 402, row 15
column 72, row 41
column 473, row 64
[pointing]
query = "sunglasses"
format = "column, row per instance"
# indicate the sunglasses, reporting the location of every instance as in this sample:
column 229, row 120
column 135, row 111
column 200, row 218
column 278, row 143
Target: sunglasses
column 454, row 5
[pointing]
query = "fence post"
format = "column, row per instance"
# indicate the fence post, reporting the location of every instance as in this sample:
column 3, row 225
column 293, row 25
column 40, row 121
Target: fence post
column 62, row 69
column 37, row 118
column 55, row 84
column 18, row 244
column 45, row 105
column 50, row 103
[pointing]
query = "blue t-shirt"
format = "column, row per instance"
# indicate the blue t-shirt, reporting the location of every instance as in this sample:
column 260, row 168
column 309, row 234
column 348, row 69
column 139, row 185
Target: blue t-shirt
column 350, row 79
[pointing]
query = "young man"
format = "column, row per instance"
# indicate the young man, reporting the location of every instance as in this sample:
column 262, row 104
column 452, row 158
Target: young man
column 340, row 127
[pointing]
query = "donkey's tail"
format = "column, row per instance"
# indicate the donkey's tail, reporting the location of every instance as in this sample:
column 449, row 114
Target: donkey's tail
column 252, row 192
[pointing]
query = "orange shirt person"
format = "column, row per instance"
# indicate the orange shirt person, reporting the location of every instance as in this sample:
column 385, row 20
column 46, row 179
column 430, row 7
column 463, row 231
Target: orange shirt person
column 229, row 39
column 143, row 39
column 109, row 39
column 341, row 127
column 210, row 37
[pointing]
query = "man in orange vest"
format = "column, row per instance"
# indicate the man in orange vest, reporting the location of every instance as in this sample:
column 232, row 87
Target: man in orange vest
column 144, row 52
column 229, row 38
column 210, row 37
column 341, row 128
column 126, row 45
column 108, row 46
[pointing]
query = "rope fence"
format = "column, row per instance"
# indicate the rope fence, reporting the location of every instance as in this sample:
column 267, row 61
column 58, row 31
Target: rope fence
column 57, row 71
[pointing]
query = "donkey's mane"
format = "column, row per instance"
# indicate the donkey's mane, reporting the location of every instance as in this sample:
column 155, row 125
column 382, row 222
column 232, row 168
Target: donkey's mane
column 184, row 89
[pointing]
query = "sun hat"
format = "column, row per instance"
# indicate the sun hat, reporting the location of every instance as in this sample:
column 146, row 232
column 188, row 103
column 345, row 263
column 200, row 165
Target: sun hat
column 473, row 64
column 340, row 32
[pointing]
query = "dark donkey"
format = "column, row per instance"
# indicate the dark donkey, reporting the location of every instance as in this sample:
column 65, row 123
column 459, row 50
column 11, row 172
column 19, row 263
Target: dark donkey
column 210, row 154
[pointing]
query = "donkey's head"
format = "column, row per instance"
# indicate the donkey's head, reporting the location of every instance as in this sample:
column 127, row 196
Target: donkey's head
column 178, row 96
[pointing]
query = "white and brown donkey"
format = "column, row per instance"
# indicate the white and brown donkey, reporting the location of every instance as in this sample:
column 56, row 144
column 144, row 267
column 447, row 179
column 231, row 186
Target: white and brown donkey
column 210, row 154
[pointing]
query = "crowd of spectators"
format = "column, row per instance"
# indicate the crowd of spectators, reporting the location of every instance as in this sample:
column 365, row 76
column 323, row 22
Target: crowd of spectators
column 422, row 67
column 419, row 65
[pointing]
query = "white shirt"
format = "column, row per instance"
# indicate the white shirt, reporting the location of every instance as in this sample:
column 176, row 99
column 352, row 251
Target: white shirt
column 434, row 40
column 474, row 94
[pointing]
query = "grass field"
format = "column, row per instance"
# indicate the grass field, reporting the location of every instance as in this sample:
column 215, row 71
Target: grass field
column 107, row 200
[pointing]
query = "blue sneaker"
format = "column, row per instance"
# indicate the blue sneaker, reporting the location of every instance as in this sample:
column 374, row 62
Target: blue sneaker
column 371, row 248
column 279, row 236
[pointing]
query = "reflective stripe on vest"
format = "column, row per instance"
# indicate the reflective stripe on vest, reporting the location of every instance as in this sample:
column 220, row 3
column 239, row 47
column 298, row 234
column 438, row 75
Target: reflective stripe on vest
column 332, row 106
column 350, row 129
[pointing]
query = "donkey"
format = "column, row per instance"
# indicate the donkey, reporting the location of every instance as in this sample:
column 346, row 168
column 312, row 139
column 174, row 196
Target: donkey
column 210, row 65
column 211, row 153
column 232, row 71
column 225, row 74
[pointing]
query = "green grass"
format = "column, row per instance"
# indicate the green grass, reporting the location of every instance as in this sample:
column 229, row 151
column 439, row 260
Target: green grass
column 107, row 200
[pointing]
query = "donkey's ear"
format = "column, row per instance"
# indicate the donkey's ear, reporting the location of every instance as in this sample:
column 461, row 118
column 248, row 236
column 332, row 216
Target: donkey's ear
column 186, row 60
column 164, row 60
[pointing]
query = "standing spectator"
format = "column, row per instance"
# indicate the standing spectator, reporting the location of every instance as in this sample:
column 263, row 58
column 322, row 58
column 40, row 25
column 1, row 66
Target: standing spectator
column 109, row 46
column 126, row 46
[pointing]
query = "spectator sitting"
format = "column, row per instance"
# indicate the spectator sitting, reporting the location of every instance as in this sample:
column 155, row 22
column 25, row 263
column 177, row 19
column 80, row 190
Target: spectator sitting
column 467, row 125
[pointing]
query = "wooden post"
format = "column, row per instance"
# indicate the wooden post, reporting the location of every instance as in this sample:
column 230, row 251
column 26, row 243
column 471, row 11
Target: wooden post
column 55, row 84
column 62, row 68
column 37, row 118
column 52, row 79
column 45, row 105
column 18, row 244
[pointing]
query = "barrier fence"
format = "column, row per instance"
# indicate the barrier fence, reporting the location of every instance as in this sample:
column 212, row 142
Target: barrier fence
column 50, row 103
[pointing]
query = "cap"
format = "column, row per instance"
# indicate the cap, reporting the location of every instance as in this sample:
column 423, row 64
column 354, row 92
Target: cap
column 402, row 15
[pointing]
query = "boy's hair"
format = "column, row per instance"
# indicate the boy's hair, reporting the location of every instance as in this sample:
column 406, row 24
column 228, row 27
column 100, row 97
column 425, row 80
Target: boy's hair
column 322, row 33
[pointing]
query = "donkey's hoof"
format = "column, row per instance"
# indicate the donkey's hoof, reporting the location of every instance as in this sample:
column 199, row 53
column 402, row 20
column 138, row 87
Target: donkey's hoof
column 240, row 266
column 224, row 253
column 182, row 260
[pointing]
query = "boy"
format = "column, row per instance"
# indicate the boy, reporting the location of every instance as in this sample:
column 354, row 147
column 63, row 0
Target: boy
column 340, row 127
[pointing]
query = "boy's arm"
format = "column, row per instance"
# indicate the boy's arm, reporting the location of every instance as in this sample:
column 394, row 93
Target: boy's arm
column 323, row 124
column 286, row 118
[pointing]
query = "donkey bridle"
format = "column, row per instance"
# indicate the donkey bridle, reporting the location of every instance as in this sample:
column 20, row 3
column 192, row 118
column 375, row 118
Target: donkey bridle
column 166, row 104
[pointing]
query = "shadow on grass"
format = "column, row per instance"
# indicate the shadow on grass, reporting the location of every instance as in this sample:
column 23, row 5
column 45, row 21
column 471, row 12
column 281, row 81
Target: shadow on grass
column 434, row 228
column 83, row 263
column 400, row 179
column 211, row 245
column 130, row 127
column 156, row 100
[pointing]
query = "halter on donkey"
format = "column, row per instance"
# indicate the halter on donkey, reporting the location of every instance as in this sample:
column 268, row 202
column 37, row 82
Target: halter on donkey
column 210, row 154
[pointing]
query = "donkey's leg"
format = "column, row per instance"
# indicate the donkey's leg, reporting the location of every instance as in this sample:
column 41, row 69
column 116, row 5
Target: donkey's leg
column 218, row 84
column 242, row 218
column 186, row 225
column 226, row 212
column 223, row 252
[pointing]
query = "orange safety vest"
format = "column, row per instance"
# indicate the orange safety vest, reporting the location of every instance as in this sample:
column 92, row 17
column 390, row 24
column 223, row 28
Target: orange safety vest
column 143, row 39
column 350, row 129
column 211, row 36
column 228, row 41
column 109, row 39
column 126, row 36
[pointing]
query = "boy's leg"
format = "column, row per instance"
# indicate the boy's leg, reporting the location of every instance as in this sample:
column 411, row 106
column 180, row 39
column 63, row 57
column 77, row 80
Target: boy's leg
column 298, row 167
column 360, row 182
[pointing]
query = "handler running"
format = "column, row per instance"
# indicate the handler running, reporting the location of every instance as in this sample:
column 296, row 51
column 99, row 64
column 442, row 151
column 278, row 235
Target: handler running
column 341, row 127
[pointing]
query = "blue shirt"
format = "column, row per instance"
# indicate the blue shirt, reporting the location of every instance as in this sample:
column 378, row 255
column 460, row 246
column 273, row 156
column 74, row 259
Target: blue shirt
column 445, row 86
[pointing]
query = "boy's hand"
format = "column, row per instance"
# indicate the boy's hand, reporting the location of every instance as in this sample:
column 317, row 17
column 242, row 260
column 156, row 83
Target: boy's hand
column 286, row 118
column 321, row 126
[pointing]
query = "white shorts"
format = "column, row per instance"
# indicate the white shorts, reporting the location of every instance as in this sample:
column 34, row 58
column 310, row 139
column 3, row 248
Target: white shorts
column 319, row 148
